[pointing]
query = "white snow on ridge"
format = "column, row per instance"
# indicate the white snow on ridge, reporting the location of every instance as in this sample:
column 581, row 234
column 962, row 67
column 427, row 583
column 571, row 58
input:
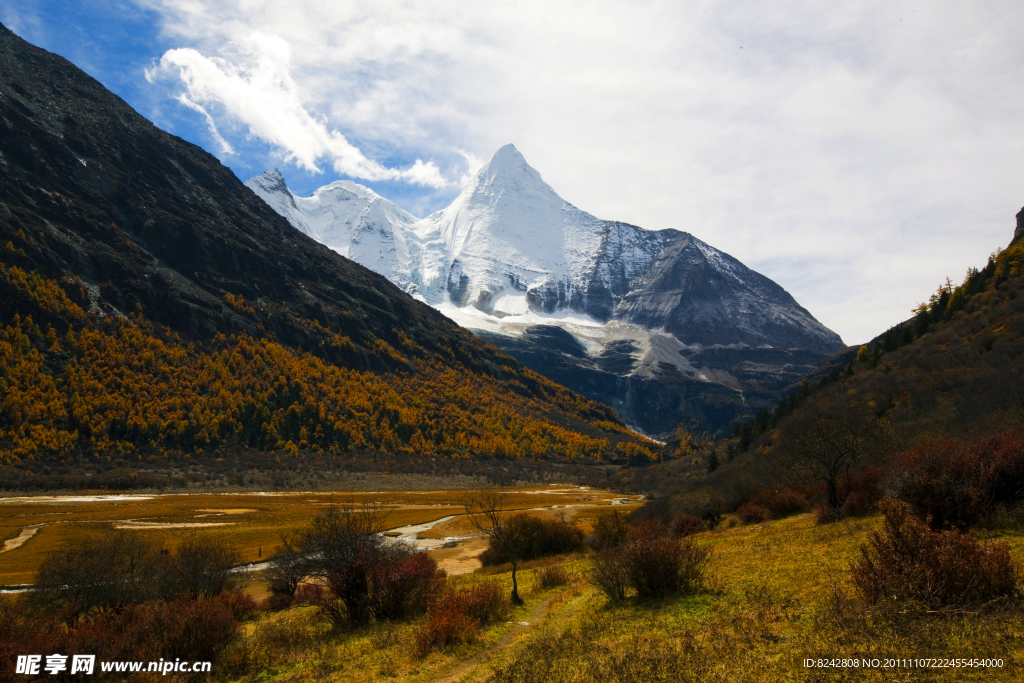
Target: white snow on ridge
column 507, row 233
column 509, row 253
column 351, row 219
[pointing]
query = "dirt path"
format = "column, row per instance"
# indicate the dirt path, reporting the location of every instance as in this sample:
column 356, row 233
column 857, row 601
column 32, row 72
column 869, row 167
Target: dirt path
column 467, row 666
column 540, row 616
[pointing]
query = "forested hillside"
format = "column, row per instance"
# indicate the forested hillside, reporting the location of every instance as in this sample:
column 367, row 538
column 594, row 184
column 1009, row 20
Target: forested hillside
column 954, row 370
column 152, row 307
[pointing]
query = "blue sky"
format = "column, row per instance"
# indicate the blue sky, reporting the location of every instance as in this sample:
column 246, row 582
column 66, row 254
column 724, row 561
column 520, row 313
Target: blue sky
column 857, row 154
column 117, row 41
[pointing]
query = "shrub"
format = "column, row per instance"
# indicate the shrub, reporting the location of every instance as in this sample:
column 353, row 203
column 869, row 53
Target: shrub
column 107, row 571
column 652, row 563
column 957, row 483
column 363, row 574
column 553, row 575
column 485, row 602
column 305, row 593
column 610, row 530
column 609, row 575
column 908, row 561
column 287, row 568
column 752, row 513
column 456, row 616
column 446, row 625
column 242, row 606
column 186, row 629
column 786, row 502
column 827, row 515
column 403, row 586
column 533, row 537
column 200, row 568
column 278, row 601
column 685, row 524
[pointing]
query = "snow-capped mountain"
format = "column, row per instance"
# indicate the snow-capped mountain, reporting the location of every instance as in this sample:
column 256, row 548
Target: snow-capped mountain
column 511, row 258
column 350, row 219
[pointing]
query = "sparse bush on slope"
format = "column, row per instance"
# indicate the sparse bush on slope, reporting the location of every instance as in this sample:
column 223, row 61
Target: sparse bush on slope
column 908, row 562
column 652, row 562
column 455, row 617
column 957, row 483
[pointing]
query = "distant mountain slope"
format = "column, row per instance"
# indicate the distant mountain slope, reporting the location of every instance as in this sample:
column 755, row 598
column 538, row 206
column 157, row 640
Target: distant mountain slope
column 955, row 369
column 192, row 306
column 651, row 311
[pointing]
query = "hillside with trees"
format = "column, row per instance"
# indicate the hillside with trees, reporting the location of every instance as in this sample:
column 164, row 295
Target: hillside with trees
column 152, row 307
column 952, row 374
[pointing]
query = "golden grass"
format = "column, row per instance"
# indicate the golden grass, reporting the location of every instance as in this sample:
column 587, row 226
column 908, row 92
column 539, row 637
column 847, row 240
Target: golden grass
column 765, row 610
column 769, row 604
column 249, row 520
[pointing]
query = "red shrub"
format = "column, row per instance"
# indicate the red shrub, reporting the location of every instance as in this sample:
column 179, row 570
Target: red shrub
column 685, row 524
column 242, row 606
column 189, row 629
column 907, row 561
column 752, row 513
column 194, row 629
column 277, row 602
column 402, row 587
column 554, row 575
column 651, row 562
column 446, row 625
column 306, row 593
column 538, row 538
column 781, row 503
column 957, row 483
column 455, row 617
column 485, row 602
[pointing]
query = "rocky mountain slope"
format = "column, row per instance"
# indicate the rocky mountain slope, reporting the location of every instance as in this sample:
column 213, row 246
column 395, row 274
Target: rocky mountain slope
column 151, row 304
column 658, row 324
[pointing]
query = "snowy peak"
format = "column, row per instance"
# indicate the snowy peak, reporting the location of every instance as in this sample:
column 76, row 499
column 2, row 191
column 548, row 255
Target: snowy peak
column 270, row 181
column 508, row 168
column 508, row 237
column 350, row 219
column 509, row 250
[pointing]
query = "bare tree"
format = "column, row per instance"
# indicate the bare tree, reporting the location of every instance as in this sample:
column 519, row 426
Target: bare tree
column 341, row 547
column 288, row 567
column 201, row 568
column 487, row 511
column 826, row 445
column 108, row 571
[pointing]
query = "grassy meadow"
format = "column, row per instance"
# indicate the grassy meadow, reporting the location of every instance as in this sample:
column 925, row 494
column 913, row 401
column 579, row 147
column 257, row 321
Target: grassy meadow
column 769, row 603
column 774, row 594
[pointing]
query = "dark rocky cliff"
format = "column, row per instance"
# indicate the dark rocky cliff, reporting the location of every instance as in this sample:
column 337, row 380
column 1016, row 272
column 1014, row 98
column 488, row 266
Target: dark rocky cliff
column 90, row 188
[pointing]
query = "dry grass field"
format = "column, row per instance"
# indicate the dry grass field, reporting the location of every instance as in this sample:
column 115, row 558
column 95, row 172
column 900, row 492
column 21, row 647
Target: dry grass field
column 244, row 521
column 766, row 607
column 768, row 601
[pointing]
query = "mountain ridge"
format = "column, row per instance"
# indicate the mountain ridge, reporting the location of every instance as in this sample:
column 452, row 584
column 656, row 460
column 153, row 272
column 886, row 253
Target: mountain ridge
column 513, row 261
column 152, row 307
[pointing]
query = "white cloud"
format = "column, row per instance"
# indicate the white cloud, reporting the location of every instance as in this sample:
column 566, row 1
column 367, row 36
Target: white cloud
column 473, row 164
column 857, row 153
column 252, row 82
column 222, row 144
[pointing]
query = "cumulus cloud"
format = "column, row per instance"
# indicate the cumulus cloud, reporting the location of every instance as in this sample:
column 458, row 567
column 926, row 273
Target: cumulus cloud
column 856, row 154
column 252, row 82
